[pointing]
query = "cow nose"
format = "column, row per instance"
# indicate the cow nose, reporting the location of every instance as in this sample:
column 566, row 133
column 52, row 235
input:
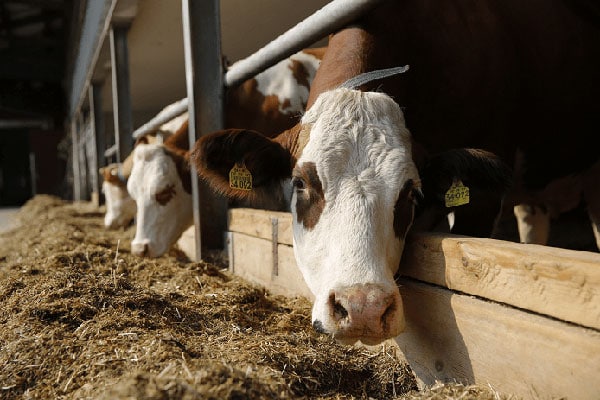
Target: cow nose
column 113, row 224
column 369, row 312
column 140, row 248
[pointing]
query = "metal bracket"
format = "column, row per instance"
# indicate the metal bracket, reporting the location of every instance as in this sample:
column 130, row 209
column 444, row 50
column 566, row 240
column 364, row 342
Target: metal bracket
column 229, row 244
column 274, row 244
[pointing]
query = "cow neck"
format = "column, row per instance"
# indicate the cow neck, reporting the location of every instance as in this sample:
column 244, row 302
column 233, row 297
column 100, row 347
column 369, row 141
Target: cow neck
column 345, row 58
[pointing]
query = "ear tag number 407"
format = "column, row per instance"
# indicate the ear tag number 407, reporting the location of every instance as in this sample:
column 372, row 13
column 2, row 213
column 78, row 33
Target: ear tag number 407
column 457, row 195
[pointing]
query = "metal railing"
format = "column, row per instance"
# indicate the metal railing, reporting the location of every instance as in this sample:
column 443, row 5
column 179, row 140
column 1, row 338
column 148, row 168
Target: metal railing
column 328, row 19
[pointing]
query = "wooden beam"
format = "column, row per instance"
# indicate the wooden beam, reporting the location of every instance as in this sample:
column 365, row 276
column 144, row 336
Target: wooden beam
column 563, row 284
column 254, row 261
column 454, row 337
column 258, row 223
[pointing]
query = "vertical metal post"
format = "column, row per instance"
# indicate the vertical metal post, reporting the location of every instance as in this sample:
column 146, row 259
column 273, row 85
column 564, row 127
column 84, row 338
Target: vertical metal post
column 97, row 123
column 204, row 79
column 75, row 156
column 121, row 90
column 83, row 177
column 33, row 173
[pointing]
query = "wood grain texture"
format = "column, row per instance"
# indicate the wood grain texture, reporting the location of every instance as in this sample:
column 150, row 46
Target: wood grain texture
column 477, row 310
column 455, row 337
column 258, row 223
column 560, row 283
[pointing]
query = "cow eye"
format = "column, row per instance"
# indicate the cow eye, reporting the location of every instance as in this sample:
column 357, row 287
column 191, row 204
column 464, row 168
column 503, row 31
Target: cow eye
column 298, row 183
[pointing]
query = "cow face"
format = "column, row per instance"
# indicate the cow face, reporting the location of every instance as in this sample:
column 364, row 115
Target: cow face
column 353, row 202
column 164, row 207
column 354, row 185
column 120, row 207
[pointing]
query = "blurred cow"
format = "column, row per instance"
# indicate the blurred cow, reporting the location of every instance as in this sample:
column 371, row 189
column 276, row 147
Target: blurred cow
column 120, row 207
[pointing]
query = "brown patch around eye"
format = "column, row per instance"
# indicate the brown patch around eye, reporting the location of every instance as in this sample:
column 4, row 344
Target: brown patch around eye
column 404, row 209
column 310, row 201
column 165, row 195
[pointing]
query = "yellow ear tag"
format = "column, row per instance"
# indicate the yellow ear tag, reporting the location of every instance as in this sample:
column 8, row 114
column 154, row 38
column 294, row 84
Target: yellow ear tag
column 240, row 177
column 457, row 195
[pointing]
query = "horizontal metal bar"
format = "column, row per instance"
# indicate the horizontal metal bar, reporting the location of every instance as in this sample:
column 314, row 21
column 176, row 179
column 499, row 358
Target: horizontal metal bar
column 167, row 114
column 328, row 19
column 41, row 123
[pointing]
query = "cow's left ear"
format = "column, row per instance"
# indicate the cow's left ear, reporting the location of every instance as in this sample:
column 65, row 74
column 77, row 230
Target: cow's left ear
column 469, row 182
column 266, row 161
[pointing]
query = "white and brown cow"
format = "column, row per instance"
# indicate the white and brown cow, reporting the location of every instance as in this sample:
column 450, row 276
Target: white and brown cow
column 120, row 207
column 355, row 186
column 499, row 76
column 160, row 179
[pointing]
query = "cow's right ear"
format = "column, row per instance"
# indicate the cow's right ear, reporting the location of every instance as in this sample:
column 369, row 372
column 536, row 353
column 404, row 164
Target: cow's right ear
column 216, row 154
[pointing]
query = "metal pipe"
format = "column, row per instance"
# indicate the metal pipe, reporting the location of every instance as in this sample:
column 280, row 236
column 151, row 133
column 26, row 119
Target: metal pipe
column 323, row 22
column 97, row 136
column 204, row 81
column 121, row 90
column 170, row 112
column 41, row 123
column 33, row 173
column 328, row 19
column 75, row 157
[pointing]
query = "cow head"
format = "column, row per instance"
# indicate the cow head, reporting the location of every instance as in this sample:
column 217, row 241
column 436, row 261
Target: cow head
column 353, row 197
column 120, row 207
column 354, row 189
column 160, row 185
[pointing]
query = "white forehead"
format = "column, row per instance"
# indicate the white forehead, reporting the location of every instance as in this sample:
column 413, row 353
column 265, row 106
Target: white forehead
column 358, row 136
column 152, row 168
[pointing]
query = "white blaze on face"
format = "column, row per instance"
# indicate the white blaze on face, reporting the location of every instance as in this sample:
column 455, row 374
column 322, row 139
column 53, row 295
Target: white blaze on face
column 347, row 184
column 120, row 207
column 279, row 80
column 164, row 208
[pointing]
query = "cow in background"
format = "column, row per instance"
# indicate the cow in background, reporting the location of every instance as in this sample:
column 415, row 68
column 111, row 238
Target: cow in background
column 498, row 76
column 120, row 207
column 537, row 210
column 160, row 179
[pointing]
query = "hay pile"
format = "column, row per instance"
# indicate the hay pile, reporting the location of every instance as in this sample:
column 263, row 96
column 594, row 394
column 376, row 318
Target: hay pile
column 83, row 318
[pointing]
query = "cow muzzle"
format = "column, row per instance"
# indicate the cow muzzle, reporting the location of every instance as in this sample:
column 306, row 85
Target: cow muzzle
column 370, row 313
column 141, row 248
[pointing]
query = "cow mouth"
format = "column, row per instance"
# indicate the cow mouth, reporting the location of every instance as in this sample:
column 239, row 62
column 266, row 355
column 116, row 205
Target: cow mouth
column 345, row 338
column 370, row 340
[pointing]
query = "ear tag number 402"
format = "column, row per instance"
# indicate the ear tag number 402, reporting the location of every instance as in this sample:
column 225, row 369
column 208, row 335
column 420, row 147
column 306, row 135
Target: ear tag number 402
column 457, row 195
column 240, row 177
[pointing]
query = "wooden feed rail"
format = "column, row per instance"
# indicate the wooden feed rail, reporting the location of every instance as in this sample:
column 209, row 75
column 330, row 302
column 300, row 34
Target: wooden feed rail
column 522, row 318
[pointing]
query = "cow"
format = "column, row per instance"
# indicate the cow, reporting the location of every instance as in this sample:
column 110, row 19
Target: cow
column 120, row 207
column 497, row 76
column 537, row 210
column 160, row 179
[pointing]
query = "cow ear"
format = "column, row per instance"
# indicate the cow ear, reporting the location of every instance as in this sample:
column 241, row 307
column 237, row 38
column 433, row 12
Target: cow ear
column 215, row 155
column 141, row 140
column 485, row 175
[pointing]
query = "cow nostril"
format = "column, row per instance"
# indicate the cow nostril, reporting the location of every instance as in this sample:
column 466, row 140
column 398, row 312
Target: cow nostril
column 387, row 314
column 339, row 311
column 318, row 326
column 145, row 251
